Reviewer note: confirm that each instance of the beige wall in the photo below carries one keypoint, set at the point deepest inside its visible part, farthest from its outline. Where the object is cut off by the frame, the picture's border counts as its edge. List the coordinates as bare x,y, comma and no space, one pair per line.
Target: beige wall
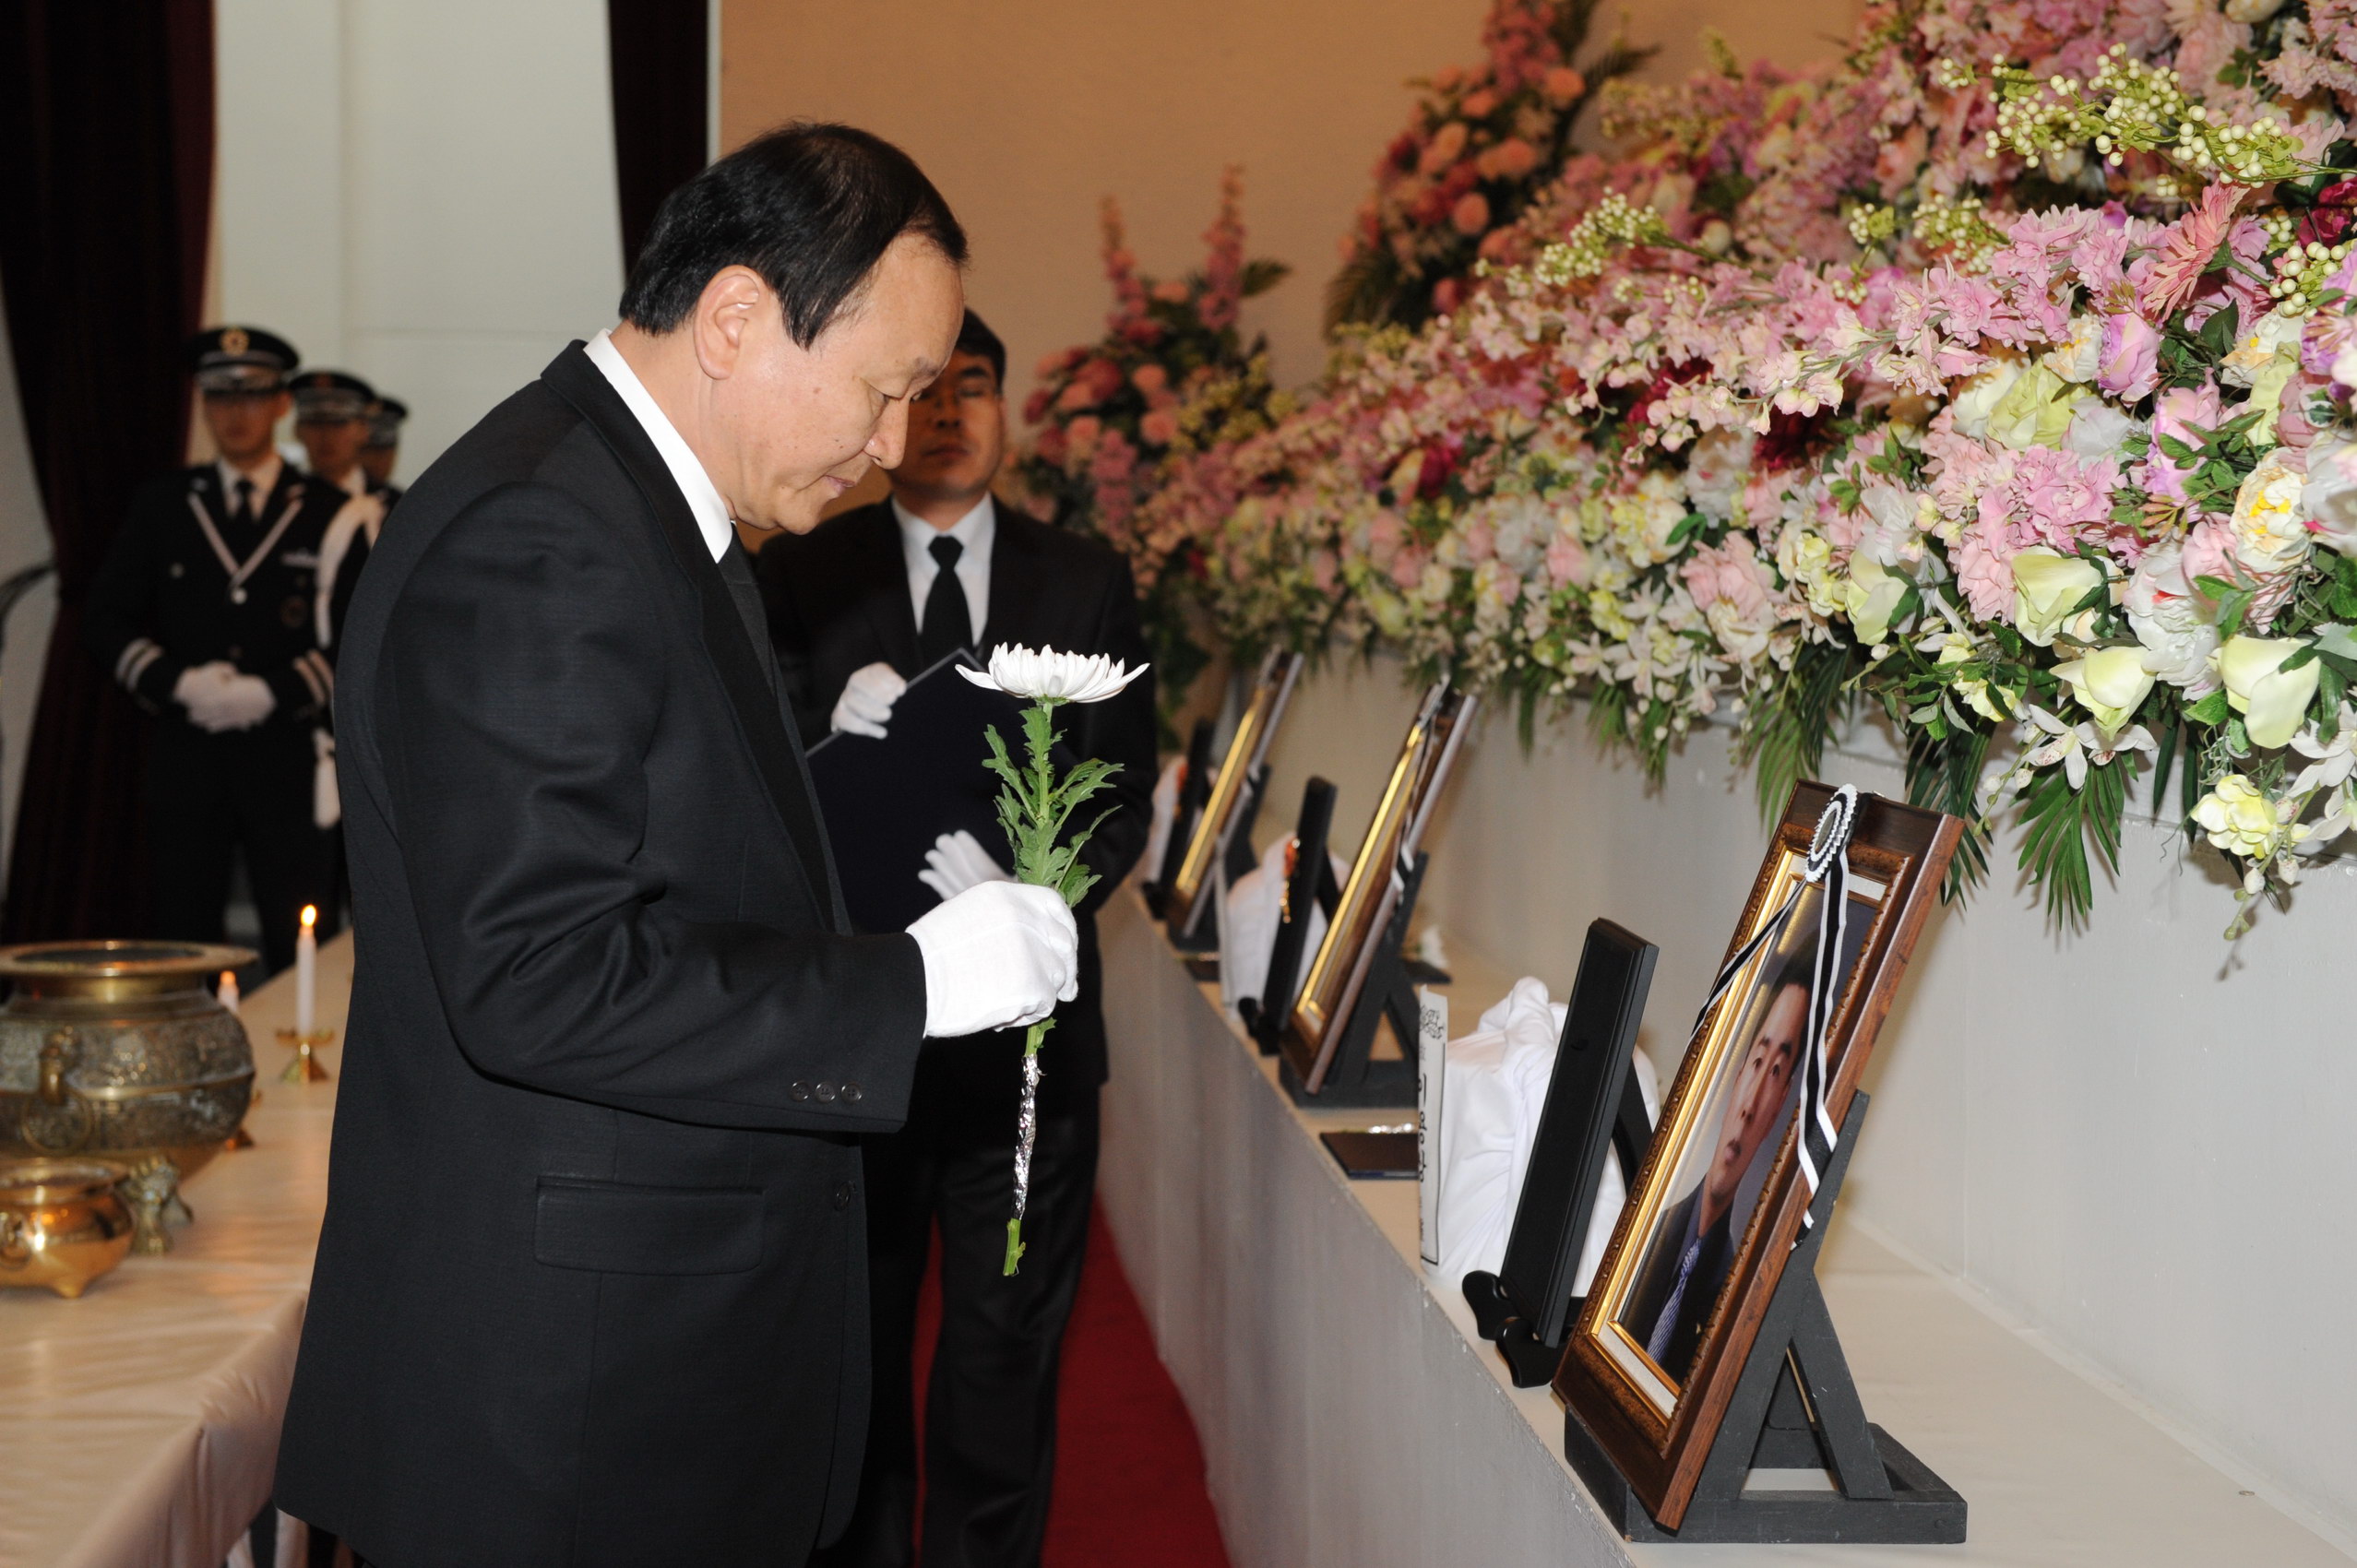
1027,112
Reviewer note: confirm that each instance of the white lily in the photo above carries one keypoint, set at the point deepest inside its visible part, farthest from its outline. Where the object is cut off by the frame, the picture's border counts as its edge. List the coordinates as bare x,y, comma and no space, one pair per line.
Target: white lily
1053,677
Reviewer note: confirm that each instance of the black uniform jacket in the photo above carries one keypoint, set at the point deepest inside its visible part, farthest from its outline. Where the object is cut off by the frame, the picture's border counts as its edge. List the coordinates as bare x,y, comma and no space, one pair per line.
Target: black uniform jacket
838,601
591,1288
165,600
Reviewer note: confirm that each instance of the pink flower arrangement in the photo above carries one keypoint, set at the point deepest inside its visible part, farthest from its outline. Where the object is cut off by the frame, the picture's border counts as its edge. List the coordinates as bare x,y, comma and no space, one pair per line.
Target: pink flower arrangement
1714,420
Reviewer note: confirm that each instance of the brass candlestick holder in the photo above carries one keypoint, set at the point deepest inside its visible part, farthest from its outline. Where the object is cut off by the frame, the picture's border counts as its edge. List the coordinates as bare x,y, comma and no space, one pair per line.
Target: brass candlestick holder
304,1068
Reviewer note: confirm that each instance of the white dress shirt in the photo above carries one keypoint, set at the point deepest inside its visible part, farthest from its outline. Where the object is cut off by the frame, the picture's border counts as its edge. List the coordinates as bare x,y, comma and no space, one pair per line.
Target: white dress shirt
265,475
974,531
703,497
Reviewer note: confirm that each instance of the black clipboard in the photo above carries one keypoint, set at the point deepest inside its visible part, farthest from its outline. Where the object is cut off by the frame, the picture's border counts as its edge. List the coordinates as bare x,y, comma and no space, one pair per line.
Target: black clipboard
885,802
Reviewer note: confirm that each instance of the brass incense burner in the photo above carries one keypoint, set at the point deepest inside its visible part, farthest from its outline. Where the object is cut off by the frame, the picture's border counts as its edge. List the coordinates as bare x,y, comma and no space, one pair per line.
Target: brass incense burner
60,1223
115,1052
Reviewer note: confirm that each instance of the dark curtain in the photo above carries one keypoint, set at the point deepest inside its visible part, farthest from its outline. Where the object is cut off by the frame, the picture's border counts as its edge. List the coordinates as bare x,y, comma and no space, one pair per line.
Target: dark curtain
657,48
106,168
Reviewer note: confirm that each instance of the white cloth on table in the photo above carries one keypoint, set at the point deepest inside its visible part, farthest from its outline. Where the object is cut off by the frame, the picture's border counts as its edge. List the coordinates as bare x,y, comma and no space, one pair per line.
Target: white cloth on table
1496,1089
1256,907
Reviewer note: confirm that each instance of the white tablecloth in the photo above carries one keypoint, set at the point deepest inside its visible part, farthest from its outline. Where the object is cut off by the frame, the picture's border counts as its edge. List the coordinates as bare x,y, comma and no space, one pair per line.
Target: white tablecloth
1351,1417
140,1425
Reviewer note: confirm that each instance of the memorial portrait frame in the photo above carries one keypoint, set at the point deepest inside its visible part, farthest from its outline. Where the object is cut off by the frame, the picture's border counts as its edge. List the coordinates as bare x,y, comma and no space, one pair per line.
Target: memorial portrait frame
1658,1431
1196,880
1312,1033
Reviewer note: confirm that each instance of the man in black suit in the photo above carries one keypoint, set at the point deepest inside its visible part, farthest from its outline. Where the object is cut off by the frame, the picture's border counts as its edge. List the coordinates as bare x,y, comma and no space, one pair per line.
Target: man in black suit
870,598
332,420
382,447
1694,1244
203,612
591,1286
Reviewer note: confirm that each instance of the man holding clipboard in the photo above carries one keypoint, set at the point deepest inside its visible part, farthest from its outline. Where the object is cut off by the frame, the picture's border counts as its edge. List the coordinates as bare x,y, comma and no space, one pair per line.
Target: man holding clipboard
859,607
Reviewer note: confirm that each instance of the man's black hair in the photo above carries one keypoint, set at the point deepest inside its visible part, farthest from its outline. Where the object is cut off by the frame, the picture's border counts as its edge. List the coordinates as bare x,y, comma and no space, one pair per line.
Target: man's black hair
975,337
811,207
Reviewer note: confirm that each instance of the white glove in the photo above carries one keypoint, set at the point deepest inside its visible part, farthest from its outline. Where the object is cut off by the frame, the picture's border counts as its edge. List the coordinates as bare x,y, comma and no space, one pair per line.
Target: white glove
996,956
865,705
218,698
957,861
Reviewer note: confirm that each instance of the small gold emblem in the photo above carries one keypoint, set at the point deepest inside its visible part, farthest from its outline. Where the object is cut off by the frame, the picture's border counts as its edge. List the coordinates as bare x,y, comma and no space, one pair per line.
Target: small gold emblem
234,340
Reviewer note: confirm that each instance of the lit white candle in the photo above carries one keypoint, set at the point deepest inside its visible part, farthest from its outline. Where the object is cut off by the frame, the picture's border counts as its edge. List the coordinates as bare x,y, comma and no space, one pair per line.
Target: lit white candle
228,994
306,973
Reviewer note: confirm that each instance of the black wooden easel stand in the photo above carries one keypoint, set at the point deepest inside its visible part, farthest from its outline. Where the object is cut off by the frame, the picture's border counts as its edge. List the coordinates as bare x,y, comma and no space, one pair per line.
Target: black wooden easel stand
1795,1408
1356,1079
1311,887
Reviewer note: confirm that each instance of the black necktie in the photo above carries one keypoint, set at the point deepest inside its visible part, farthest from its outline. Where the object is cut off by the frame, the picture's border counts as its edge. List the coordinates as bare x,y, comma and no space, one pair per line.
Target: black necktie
747,593
948,625
241,511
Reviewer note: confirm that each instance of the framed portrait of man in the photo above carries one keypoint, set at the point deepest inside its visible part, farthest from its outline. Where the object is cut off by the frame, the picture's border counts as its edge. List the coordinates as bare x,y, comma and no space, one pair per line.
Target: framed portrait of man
1321,1012
1197,878
1701,1244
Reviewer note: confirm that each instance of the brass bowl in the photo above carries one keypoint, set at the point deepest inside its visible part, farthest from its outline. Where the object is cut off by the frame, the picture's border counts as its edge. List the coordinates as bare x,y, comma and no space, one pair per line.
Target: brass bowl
115,1052
60,1223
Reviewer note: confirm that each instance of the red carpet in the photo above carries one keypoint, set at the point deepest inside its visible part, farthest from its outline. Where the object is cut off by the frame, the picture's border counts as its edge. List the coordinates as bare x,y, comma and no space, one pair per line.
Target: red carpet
1129,1470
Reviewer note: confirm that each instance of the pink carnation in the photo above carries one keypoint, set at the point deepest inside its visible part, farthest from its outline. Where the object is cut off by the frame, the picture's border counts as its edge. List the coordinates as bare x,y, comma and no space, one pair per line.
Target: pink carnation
1731,574
1471,213
1159,428
1567,560
1563,85
2185,414
1984,571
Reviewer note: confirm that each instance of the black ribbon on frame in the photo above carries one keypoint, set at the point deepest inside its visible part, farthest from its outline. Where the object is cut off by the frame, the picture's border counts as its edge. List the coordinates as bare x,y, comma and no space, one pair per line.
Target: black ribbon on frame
1827,863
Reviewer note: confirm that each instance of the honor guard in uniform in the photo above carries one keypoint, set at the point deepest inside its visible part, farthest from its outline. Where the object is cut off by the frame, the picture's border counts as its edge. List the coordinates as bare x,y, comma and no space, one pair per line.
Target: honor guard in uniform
384,447
331,419
205,611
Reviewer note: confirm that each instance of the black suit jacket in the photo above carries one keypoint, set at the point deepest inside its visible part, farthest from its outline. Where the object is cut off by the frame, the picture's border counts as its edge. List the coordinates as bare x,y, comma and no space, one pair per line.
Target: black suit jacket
838,599
164,601
591,1288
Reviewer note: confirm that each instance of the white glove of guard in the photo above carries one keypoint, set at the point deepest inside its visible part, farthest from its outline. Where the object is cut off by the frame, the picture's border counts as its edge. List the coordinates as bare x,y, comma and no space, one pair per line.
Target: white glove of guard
957,861
999,956
865,705
218,698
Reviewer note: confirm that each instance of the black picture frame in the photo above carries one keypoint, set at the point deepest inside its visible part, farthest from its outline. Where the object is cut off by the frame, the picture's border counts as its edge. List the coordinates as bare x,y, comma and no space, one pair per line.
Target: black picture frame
1586,1104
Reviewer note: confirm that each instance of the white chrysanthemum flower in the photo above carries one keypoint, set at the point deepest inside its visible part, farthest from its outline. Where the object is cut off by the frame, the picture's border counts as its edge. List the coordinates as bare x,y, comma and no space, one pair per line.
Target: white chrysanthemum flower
1049,676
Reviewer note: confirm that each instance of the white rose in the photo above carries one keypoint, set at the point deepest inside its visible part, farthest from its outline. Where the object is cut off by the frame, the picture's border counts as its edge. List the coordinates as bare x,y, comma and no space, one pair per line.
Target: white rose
1978,398
2080,356
2097,429
2328,500
2174,623
2249,11
2270,532
2272,337
1716,469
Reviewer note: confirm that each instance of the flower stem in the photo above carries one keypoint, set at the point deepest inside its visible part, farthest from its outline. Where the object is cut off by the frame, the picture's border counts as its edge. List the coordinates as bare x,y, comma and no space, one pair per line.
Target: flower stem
1026,1127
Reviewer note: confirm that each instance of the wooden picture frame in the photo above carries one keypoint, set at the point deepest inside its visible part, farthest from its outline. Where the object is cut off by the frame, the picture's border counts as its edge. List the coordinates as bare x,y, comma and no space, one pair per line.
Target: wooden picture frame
1321,1012
1652,1361
1196,881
